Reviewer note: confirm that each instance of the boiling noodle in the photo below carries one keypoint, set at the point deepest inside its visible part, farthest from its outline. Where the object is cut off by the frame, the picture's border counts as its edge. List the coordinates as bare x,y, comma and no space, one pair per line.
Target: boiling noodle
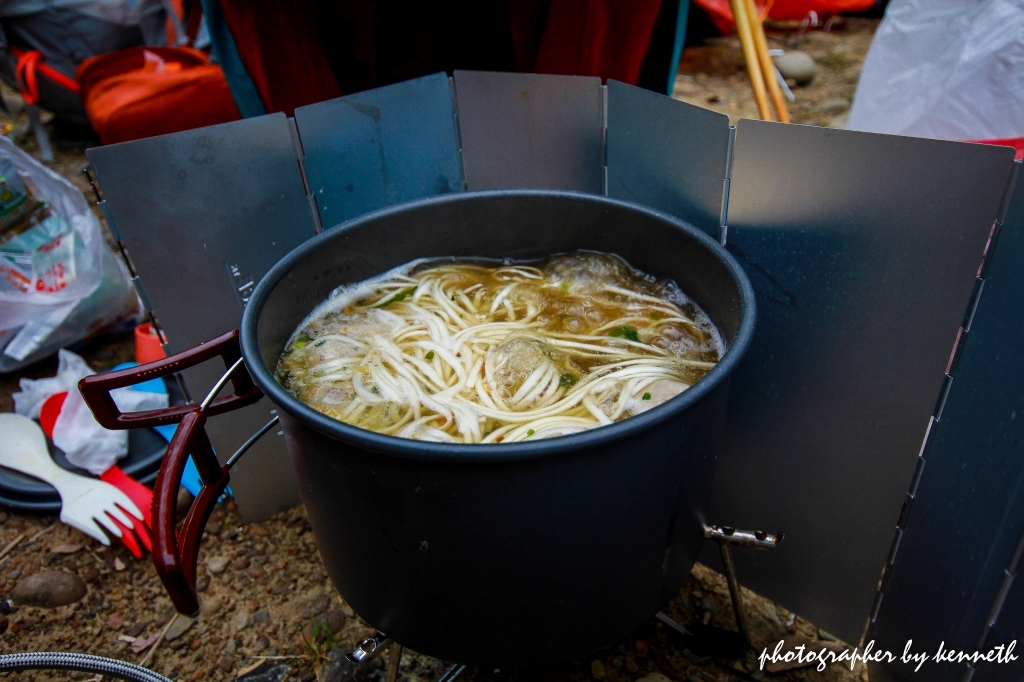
469,352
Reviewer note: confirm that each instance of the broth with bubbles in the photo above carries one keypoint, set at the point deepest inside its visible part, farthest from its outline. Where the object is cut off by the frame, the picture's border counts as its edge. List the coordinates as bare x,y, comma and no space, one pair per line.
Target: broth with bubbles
472,351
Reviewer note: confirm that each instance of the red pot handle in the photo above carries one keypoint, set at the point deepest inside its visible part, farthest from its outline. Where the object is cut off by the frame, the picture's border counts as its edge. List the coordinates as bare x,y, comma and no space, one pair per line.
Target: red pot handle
97,387
176,554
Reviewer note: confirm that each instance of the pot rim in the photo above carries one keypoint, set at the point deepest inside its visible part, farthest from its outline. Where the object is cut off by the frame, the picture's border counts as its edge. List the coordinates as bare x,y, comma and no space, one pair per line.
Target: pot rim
491,452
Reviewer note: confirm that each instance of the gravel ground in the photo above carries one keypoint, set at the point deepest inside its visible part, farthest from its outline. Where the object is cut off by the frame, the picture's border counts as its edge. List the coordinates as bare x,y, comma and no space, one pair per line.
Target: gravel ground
269,611
714,76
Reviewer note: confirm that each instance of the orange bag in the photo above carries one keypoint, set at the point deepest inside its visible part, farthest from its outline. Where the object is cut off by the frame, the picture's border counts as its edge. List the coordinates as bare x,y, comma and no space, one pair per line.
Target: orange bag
146,91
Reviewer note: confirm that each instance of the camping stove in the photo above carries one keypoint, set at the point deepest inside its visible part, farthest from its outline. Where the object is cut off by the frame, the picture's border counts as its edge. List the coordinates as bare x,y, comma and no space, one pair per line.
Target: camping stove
374,646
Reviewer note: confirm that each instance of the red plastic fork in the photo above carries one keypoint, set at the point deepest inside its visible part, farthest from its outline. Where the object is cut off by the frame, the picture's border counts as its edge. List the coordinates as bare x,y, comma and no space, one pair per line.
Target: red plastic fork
115,476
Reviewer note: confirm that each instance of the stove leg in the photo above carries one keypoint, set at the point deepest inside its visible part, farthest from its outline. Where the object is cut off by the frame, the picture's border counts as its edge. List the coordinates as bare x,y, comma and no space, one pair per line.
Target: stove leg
451,673
726,537
734,592
394,660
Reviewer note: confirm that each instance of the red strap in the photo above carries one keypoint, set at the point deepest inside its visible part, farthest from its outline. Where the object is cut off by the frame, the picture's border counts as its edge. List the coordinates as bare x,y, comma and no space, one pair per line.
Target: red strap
31,61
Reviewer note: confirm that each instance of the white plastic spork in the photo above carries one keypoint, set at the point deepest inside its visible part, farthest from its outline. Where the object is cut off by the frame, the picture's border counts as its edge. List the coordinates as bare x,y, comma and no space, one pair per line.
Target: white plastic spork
84,501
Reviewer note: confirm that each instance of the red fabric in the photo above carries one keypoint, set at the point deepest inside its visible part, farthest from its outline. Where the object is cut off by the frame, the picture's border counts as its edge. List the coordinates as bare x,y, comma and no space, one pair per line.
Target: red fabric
1016,142
782,10
279,45
126,98
606,38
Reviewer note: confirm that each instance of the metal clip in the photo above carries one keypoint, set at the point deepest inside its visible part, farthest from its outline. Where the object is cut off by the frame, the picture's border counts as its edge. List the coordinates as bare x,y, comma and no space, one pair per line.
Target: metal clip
370,648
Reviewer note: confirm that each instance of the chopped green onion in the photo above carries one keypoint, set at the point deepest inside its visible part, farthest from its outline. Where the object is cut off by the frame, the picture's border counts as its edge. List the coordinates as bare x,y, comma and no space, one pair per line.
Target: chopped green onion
301,342
530,432
564,286
646,396
319,343
655,317
625,332
430,355
566,379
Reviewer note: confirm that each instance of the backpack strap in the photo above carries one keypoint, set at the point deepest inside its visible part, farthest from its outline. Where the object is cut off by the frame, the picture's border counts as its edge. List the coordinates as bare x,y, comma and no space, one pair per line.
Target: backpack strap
30,62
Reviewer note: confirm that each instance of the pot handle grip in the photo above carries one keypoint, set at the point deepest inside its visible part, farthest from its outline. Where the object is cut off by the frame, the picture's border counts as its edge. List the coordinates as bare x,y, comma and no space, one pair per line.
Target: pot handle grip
176,555
96,388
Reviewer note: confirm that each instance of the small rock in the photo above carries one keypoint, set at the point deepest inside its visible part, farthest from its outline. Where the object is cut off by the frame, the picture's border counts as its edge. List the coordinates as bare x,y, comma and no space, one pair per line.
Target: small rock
14,575
202,582
261,617
256,573
217,564
195,644
136,630
49,589
797,65
183,503
597,670
118,564
834,105
226,663
115,622
90,573
209,607
241,621
264,674
180,625
3,624
279,590
258,530
347,610
240,564
332,620
319,605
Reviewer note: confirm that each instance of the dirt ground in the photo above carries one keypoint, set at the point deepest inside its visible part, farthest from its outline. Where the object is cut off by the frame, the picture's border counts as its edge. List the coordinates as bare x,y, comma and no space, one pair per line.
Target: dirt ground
269,611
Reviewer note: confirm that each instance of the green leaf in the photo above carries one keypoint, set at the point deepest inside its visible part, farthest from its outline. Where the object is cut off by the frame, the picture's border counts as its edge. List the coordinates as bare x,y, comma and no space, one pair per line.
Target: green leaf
625,332
401,297
646,396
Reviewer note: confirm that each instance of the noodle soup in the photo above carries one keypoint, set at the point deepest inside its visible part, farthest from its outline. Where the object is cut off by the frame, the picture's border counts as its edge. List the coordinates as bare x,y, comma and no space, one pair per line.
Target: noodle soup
465,351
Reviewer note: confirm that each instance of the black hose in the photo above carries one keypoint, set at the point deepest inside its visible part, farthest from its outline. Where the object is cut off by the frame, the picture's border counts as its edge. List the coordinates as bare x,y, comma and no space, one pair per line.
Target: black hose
64,660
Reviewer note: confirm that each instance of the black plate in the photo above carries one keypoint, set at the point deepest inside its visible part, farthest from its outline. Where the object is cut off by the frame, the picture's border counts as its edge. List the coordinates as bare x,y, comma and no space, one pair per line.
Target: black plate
146,450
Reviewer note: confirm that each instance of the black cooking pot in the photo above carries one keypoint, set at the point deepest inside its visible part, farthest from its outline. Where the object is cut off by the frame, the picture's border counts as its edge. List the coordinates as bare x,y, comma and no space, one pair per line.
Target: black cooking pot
498,555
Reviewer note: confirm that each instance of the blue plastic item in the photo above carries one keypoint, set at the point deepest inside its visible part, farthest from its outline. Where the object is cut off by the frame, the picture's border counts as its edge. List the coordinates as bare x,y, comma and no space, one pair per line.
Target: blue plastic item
190,478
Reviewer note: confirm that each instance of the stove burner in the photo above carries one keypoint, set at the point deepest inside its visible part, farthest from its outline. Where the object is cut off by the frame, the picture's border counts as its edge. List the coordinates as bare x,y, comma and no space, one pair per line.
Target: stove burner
726,536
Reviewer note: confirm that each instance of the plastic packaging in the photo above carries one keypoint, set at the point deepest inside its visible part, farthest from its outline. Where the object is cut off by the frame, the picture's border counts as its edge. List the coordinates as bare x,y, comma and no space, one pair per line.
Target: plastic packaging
59,281
86,444
945,69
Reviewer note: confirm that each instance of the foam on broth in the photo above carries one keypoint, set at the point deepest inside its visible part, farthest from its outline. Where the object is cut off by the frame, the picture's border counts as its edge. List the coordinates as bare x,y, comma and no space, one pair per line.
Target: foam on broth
471,351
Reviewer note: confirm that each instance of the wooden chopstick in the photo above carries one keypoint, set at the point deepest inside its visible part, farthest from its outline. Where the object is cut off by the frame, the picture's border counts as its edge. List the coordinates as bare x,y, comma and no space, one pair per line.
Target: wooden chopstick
743,29
767,66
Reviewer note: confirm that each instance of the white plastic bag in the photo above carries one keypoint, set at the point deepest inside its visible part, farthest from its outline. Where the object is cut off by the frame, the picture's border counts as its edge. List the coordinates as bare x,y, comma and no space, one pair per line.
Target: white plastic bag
34,324
945,69
86,444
